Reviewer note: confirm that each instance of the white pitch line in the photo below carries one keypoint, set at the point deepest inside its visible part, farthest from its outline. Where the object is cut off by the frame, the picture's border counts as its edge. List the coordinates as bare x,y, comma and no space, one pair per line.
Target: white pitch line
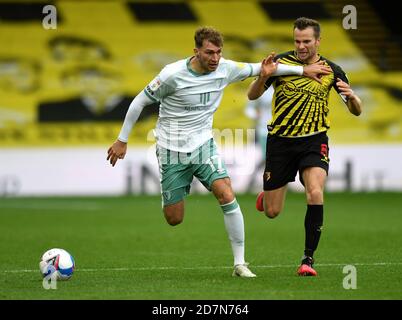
215,267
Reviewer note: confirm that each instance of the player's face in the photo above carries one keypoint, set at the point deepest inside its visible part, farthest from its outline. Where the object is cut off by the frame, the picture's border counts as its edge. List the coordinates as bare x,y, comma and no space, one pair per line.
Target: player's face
306,44
208,56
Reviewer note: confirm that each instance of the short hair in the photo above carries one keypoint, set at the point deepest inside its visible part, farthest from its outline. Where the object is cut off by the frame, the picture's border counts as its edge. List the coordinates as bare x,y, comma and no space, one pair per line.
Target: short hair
303,23
210,34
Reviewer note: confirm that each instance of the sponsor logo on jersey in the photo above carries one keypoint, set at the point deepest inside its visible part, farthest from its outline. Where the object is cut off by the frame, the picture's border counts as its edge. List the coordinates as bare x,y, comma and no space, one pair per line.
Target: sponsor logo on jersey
290,89
196,108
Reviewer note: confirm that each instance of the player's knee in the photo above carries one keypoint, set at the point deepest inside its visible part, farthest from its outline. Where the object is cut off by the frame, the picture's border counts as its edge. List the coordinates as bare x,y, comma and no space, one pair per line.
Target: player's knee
272,212
226,196
222,190
315,196
173,221
173,217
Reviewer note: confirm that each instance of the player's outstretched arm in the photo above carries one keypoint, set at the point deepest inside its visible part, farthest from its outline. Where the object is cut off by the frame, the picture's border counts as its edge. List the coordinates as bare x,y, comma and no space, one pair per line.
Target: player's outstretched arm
353,101
268,68
271,68
119,148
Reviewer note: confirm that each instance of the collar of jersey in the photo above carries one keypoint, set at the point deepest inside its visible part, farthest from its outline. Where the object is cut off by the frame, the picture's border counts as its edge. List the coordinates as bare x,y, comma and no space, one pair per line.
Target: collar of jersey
193,72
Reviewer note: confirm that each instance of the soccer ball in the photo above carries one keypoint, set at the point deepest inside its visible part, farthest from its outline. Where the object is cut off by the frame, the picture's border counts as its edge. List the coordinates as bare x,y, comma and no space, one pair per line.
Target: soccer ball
57,261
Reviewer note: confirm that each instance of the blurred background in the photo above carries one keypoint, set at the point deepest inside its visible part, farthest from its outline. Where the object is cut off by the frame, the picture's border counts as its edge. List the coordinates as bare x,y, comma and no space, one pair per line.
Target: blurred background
66,82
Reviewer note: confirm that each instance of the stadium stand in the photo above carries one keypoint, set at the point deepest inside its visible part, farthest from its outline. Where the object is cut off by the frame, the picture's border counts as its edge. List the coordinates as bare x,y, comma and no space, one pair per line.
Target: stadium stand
104,52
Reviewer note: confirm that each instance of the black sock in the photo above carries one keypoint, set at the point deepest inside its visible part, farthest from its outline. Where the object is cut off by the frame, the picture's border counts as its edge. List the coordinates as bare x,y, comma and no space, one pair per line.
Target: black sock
312,224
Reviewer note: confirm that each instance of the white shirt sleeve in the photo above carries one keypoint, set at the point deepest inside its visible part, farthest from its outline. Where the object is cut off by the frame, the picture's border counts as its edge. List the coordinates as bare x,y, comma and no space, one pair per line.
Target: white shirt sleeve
282,70
240,72
161,86
133,112
285,70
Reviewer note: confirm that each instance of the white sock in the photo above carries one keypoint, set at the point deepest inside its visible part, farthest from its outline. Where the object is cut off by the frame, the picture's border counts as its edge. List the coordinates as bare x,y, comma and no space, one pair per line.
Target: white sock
234,224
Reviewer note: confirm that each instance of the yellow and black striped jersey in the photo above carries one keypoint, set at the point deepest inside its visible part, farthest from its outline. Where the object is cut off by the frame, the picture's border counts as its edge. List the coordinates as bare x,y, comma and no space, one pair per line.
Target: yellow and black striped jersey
300,104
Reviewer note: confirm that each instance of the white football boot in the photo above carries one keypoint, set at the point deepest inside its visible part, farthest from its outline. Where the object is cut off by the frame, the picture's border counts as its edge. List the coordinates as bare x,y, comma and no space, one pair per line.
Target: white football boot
242,270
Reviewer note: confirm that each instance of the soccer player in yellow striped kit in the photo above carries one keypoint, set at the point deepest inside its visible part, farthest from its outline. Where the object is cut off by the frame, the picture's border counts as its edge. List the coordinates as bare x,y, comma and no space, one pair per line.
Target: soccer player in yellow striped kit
297,134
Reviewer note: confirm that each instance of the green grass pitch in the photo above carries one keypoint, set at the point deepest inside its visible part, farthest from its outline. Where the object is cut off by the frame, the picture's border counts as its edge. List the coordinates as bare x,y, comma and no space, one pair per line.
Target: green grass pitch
124,249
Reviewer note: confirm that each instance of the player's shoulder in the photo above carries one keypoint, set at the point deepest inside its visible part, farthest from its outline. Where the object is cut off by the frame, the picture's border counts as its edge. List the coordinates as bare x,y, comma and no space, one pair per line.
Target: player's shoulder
173,69
228,66
286,54
226,63
335,67
231,63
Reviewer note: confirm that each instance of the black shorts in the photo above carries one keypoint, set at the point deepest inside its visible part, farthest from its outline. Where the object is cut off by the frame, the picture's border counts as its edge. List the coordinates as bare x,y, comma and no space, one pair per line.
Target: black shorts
286,156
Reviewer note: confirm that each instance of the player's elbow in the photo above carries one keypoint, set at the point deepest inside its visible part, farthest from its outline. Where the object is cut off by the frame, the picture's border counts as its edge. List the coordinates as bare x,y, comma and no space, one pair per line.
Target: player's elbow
252,95
356,111
355,106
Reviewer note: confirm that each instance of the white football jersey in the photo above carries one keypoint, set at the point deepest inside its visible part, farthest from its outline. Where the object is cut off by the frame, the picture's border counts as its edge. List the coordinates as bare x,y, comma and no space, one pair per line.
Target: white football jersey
188,101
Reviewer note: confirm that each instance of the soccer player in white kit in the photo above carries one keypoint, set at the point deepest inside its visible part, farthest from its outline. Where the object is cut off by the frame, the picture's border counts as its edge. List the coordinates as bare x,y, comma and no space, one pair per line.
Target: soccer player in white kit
189,92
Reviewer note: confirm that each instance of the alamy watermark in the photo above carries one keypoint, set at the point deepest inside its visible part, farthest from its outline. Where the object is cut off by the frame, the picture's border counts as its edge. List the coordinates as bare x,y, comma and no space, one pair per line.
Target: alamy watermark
350,280
350,20
50,280
237,145
50,20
